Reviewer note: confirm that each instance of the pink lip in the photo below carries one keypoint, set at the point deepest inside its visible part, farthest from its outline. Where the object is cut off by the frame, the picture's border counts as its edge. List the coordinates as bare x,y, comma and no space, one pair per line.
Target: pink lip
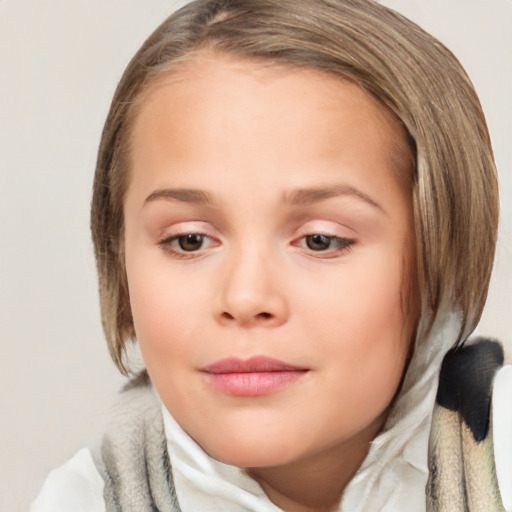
256,376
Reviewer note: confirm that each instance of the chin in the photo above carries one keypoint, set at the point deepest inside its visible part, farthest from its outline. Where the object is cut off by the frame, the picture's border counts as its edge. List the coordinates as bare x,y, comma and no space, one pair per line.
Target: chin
248,452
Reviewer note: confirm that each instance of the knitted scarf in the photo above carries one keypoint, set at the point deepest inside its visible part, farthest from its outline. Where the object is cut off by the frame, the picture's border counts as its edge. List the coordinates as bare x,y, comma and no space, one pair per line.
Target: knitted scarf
462,473
133,458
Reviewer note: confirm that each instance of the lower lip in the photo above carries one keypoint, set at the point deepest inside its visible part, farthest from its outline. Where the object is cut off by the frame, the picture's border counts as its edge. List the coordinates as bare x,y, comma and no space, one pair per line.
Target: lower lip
253,383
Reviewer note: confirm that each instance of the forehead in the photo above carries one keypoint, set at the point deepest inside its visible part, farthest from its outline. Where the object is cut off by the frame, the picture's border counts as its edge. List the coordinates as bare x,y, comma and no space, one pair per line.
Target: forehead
240,105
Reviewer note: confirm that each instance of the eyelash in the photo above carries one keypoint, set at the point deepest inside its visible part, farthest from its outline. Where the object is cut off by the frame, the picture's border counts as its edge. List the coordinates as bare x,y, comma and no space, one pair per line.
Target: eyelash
167,245
342,245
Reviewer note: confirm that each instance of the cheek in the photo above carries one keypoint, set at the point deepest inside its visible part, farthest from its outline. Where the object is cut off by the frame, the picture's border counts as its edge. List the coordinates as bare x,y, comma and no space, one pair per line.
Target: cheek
359,323
366,296
164,305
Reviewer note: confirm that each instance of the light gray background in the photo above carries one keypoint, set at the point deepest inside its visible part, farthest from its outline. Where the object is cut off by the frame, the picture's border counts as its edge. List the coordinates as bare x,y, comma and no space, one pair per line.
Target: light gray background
59,64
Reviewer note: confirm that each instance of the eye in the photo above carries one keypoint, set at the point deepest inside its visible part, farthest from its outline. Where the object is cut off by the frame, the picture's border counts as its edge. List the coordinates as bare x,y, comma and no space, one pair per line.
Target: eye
190,242
319,242
331,245
187,245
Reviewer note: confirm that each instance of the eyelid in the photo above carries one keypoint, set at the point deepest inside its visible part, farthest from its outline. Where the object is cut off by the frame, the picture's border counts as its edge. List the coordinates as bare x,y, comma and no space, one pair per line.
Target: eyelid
183,228
332,230
325,227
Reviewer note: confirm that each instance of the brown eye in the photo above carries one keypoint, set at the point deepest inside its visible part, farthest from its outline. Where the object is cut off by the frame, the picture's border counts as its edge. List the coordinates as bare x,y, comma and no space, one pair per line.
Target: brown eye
318,242
191,242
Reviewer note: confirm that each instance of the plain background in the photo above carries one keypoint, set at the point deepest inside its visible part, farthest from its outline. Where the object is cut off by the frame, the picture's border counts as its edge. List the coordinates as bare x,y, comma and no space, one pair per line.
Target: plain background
59,64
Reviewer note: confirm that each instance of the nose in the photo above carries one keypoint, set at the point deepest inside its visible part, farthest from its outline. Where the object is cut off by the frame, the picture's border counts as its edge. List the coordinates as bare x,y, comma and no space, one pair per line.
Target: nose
251,292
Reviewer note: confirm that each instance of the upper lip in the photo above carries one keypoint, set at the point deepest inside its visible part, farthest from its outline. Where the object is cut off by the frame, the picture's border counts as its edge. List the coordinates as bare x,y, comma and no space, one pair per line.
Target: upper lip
254,364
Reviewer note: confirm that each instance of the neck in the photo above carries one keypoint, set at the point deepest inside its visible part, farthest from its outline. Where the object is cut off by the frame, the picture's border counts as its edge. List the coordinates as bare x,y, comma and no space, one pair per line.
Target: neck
316,483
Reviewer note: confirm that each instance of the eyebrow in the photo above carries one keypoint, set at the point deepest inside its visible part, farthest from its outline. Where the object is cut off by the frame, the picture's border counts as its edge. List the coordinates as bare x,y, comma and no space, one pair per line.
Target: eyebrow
305,196
186,195
298,197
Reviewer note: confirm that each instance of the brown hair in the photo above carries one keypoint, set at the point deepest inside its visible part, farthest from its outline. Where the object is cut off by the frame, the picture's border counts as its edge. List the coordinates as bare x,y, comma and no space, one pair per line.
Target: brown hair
454,185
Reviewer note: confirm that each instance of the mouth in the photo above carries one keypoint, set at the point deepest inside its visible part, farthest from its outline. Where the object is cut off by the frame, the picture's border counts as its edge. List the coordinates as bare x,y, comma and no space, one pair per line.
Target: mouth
256,376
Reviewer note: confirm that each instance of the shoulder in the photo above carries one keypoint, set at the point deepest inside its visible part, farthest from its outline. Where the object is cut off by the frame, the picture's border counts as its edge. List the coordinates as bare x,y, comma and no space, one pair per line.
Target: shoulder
76,486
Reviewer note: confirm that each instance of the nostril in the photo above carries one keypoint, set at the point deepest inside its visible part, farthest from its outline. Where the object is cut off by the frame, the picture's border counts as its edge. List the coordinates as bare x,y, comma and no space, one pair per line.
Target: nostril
263,316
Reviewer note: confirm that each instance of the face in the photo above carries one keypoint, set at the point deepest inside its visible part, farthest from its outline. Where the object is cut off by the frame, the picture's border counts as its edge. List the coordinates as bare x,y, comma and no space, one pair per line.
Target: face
265,233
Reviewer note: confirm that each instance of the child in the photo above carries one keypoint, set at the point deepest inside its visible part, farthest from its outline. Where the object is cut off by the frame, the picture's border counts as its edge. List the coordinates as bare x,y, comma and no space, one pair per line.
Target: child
294,214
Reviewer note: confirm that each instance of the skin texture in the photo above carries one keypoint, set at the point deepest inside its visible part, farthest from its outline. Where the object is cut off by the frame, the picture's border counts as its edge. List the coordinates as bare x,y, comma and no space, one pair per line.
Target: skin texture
251,137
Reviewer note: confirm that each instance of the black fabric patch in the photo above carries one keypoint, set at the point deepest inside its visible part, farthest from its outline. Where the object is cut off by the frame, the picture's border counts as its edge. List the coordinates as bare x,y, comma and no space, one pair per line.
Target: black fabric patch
140,380
465,382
